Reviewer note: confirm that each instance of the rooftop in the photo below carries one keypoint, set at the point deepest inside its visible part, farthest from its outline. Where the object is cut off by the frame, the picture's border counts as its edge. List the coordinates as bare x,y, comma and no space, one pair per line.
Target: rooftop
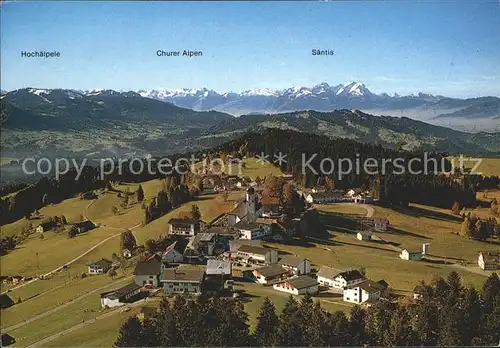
185,221
328,272
291,260
150,267
371,286
302,282
186,275
351,275
218,267
491,257
247,226
101,263
124,290
271,271
253,249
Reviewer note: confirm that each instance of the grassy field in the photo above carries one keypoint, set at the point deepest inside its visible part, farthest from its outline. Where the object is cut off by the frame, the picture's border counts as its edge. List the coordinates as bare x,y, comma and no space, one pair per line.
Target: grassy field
351,209
71,208
102,333
72,315
105,333
487,167
210,206
410,228
250,167
57,296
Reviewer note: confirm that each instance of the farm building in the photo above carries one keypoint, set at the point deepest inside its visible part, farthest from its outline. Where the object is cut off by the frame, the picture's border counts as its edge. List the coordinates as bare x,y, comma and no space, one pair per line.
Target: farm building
271,273
489,260
297,265
364,235
256,255
147,272
298,286
100,267
325,197
120,296
407,254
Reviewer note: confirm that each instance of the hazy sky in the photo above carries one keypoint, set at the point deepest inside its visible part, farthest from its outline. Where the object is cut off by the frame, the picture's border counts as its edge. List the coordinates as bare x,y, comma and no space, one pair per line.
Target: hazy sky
441,47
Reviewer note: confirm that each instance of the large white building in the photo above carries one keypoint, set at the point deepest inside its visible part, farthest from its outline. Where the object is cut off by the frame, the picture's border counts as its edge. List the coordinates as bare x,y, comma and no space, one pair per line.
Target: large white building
185,227
325,197
367,290
179,280
249,254
253,230
337,279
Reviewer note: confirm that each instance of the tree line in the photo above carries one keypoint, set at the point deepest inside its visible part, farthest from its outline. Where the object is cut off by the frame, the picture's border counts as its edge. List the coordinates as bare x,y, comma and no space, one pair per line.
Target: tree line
446,313
391,186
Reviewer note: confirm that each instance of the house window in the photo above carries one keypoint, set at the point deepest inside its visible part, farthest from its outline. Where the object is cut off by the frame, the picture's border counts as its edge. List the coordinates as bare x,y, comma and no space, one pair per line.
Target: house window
143,282
150,277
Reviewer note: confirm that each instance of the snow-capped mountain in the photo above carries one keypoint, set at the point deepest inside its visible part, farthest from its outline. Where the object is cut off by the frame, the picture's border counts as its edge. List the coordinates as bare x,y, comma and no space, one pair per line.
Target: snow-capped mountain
321,97
436,109
461,114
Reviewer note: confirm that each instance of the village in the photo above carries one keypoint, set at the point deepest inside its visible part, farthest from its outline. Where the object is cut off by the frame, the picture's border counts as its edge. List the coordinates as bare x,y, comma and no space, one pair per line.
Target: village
233,248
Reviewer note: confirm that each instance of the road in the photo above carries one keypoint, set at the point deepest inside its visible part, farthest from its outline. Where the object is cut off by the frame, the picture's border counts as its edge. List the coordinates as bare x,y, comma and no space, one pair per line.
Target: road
88,322
55,309
369,209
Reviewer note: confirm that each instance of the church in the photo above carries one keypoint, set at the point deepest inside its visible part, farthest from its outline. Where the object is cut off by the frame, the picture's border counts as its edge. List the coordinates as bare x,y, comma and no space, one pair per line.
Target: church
247,210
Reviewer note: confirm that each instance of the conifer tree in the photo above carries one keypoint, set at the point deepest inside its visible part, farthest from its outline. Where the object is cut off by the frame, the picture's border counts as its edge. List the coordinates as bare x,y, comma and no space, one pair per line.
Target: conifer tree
399,332
491,289
140,194
130,334
289,328
338,325
357,322
267,324
425,322
471,316
492,323
127,240
195,212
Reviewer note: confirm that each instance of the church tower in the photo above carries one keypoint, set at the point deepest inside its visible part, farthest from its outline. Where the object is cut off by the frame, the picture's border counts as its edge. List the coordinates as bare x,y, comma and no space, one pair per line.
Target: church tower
250,204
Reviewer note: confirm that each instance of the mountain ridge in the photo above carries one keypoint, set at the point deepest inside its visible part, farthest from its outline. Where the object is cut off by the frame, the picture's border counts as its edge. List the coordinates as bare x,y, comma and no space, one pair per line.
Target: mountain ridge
103,122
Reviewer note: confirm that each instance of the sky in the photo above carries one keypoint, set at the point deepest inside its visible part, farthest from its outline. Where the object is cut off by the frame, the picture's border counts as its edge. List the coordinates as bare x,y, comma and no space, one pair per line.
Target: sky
449,48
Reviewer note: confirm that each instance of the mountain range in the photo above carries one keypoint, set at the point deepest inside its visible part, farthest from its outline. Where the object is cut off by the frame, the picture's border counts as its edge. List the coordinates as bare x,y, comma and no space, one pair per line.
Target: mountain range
472,114
102,123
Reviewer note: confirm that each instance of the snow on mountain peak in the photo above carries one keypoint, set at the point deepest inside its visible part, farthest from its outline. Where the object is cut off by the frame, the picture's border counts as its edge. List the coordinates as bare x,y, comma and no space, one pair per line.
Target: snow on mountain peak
38,92
265,92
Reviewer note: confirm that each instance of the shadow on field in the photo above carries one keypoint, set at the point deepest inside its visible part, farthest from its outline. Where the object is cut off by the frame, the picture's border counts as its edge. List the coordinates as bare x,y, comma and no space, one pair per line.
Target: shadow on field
401,232
427,213
340,222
